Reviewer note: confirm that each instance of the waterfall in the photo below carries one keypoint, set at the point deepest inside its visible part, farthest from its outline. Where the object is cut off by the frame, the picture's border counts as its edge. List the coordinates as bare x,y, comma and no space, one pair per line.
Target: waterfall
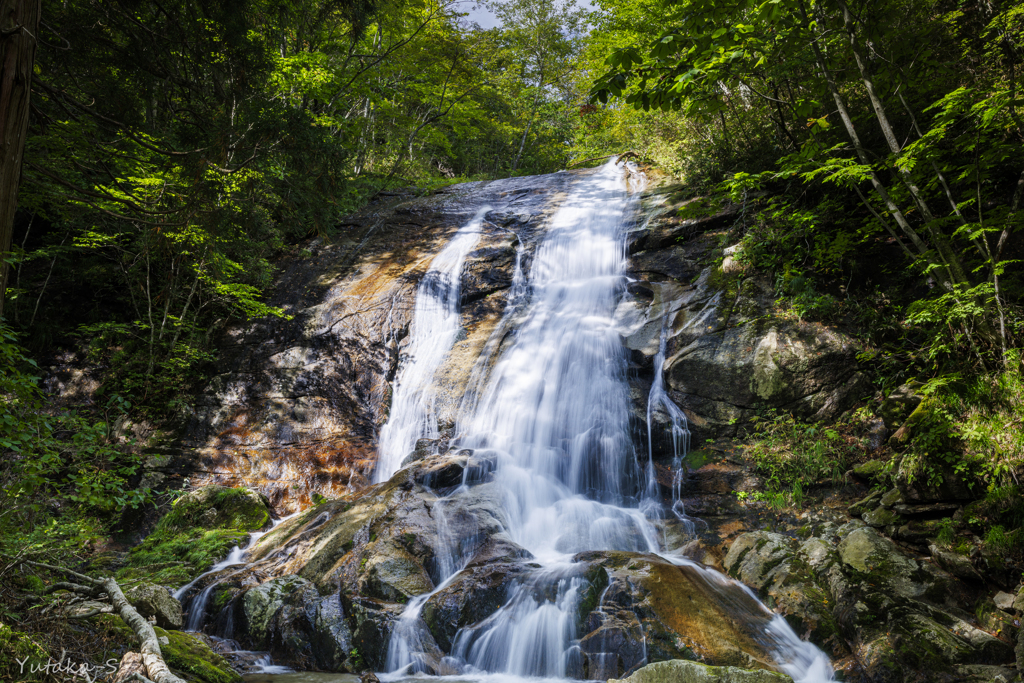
435,325
553,411
195,607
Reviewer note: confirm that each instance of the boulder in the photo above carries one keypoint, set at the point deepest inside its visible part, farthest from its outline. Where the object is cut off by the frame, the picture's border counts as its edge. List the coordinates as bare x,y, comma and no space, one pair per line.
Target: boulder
278,617
897,616
156,601
681,671
899,404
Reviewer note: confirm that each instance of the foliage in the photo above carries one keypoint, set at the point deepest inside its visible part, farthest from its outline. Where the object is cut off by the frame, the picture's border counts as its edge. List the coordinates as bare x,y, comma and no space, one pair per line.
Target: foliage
198,531
793,456
872,128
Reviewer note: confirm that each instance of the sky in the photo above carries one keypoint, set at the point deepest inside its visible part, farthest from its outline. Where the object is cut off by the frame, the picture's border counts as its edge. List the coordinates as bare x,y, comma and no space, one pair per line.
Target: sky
479,14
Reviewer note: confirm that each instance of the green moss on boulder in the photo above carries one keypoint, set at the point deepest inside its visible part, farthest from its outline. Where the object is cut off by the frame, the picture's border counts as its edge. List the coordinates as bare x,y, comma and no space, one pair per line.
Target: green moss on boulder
200,529
17,647
193,659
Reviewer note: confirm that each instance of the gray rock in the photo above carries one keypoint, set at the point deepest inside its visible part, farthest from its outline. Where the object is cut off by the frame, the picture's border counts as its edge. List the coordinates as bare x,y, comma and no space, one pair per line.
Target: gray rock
331,637
682,671
956,564
1003,600
151,600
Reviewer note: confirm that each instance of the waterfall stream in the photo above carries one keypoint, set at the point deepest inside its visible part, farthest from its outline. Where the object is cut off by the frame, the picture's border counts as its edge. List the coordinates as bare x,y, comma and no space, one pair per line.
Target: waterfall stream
553,411
435,326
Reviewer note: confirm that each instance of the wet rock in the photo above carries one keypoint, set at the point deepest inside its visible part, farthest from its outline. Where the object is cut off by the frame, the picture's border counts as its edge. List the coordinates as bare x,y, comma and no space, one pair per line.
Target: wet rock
680,671
297,403
678,609
331,638
156,601
373,622
278,617
478,592
781,568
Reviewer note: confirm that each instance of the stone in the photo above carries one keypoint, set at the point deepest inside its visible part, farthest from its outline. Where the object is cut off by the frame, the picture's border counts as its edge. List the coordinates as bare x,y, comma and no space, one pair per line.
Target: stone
890,498
899,404
956,564
879,517
870,469
923,510
156,601
869,502
1003,600
1018,601
681,671
276,618
193,659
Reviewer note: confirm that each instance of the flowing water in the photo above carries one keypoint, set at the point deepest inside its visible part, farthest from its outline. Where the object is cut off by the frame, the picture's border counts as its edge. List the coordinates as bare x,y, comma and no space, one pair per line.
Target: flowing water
435,325
195,607
553,411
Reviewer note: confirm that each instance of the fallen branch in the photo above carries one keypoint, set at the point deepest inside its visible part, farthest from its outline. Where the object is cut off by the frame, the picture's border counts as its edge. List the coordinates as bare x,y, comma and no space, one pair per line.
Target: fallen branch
152,658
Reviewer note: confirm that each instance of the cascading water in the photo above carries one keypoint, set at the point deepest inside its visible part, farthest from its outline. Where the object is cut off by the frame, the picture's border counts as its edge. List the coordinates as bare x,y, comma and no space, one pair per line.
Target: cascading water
435,325
554,415
195,608
657,399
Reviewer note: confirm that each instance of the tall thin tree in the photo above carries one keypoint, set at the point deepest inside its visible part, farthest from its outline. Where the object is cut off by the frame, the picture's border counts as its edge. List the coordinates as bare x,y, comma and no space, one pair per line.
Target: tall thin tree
19,26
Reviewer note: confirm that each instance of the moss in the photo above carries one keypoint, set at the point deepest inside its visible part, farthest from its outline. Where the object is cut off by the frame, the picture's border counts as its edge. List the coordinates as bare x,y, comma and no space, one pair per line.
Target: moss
200,529
217,507
192,657
17,647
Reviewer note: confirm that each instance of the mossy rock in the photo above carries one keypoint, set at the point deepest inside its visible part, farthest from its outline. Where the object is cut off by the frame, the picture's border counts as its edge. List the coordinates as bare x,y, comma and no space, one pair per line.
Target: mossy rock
682,671
191,657
200,529
17,647
185,654
218,507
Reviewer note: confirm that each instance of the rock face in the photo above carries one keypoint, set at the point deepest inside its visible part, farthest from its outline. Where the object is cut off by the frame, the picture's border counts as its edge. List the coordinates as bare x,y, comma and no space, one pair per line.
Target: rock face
680,671
850,588
156,601
298,405
327,588
727,352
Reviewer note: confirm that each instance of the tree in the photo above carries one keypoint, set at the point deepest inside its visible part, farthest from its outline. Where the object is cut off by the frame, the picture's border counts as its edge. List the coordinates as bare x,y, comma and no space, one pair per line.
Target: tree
870,99
19,27
542,40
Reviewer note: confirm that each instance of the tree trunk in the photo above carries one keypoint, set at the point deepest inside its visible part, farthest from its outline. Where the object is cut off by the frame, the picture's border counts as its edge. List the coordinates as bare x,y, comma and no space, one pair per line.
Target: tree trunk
19,26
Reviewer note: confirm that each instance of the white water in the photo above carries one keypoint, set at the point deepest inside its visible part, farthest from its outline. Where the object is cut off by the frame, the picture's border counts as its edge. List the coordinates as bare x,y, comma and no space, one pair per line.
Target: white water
196,607
435,326
554,411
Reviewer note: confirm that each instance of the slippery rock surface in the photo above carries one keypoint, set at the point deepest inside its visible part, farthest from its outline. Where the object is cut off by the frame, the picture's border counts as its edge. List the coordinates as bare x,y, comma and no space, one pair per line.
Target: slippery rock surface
727,350
854,591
